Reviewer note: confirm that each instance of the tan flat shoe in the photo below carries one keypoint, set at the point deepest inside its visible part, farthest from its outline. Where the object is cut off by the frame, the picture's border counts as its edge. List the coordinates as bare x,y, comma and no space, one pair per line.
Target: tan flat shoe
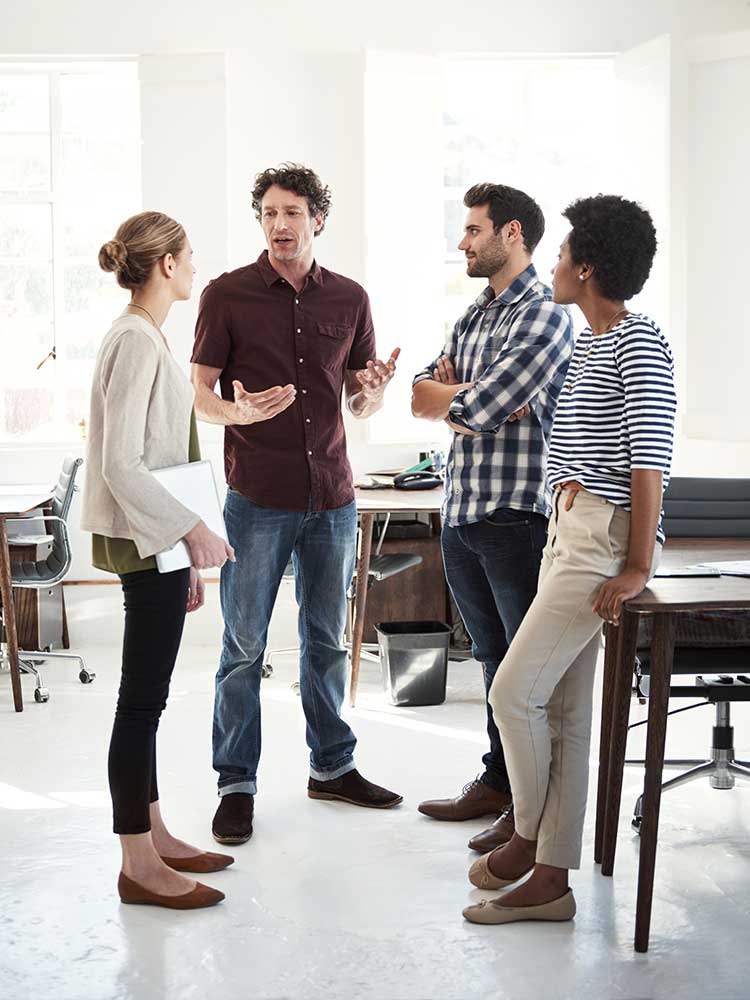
481,876
196,899
491,911
201,864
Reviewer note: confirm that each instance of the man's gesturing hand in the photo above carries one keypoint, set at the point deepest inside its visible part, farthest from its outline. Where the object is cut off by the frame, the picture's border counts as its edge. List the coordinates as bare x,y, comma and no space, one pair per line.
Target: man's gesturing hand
377,375
252,407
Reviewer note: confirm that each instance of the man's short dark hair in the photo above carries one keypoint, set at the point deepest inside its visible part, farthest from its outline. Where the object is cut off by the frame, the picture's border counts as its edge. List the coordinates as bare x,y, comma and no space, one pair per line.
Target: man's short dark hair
300,181
504,204
617,238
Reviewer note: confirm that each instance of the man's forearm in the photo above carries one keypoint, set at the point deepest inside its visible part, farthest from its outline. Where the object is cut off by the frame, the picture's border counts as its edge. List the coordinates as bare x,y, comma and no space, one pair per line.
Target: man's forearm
361,407
645,505
431,400
211,408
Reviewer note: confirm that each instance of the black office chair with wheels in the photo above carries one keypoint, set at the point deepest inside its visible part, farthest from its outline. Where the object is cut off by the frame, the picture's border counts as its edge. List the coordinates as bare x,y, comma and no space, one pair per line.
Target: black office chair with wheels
43,574
716,644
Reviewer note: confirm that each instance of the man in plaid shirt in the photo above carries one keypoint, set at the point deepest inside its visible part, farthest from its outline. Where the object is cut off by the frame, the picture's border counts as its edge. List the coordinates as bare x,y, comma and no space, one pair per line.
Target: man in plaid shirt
496,385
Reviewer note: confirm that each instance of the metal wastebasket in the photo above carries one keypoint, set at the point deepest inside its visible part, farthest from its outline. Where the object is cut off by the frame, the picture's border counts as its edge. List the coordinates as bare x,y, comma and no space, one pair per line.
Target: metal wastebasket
414,659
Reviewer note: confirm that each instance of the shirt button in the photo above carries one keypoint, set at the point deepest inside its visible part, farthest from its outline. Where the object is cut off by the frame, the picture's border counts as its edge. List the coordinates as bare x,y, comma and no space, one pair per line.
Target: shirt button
309,453
297,301
298,330
304,392
301,360
307,420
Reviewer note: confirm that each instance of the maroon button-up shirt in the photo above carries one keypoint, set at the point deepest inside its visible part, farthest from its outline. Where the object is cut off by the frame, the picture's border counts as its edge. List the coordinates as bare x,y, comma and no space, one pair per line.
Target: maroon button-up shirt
256,328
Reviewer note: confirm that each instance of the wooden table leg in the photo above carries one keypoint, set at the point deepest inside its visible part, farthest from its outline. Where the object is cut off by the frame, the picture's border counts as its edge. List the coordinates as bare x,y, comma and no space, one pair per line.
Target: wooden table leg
622,682
662,652
366,522
611,635
9,617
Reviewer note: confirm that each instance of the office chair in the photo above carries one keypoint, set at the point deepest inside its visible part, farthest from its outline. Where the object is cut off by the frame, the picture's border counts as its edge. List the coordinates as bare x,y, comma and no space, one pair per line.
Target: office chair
717,643
42,574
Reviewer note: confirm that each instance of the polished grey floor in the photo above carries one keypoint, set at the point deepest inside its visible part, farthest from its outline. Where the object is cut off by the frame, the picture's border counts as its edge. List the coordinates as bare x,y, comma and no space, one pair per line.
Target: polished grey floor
327,900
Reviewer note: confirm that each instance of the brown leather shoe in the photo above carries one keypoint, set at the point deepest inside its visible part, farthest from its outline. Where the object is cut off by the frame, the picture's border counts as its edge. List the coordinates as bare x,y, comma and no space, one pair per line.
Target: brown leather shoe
476,799
196,899
354,789
200,864
233,820
496,835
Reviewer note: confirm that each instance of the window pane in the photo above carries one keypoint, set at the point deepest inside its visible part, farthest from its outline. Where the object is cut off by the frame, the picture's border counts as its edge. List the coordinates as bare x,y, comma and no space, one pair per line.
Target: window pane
24,163
25,411
25,297
24,103
26,231
100,104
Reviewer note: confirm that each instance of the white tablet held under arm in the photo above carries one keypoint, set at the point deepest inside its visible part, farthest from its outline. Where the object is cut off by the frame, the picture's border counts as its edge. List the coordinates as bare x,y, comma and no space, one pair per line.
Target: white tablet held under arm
193,484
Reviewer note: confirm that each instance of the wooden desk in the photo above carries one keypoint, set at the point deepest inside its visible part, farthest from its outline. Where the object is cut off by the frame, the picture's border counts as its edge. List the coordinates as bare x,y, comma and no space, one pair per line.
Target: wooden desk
369,503
665,599
15,500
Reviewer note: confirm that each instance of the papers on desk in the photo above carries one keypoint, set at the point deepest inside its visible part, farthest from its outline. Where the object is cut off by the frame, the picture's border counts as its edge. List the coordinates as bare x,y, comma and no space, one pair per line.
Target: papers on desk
738,568
684,571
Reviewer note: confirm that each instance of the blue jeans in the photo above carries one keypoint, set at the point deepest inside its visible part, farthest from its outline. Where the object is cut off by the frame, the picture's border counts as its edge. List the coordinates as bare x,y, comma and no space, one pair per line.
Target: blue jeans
492,567
322,547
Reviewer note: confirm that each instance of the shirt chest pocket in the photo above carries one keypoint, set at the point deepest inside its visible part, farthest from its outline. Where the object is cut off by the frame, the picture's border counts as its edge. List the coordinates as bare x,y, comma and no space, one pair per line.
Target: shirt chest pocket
334,343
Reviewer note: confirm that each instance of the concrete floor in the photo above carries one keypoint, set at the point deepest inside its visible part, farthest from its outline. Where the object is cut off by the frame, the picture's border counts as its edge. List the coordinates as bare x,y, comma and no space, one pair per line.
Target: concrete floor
327,900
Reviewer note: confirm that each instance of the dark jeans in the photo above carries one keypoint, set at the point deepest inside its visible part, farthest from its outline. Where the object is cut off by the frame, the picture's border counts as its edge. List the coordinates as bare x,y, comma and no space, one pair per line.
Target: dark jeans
155,605
492,568
321,545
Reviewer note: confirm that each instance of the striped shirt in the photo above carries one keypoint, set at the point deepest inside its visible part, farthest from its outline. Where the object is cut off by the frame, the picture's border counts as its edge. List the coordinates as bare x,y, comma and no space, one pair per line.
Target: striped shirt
515,348
616,412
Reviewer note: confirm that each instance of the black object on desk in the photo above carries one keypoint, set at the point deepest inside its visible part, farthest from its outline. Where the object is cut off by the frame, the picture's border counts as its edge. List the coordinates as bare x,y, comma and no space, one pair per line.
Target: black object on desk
417,481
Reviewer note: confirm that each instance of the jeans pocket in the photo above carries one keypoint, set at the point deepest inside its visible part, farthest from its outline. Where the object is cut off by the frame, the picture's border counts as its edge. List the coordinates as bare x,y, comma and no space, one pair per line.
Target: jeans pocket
506,517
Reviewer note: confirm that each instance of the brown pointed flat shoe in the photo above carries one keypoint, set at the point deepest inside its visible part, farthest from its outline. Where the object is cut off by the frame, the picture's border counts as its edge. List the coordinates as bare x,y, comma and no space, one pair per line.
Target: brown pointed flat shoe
200,864
196,899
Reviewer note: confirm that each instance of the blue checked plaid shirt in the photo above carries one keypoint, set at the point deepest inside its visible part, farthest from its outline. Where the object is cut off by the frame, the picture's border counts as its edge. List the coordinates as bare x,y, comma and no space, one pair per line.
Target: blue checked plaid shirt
515,348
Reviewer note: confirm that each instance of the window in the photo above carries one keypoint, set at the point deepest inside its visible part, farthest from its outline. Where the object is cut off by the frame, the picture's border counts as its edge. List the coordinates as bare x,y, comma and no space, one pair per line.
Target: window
69,174
510,120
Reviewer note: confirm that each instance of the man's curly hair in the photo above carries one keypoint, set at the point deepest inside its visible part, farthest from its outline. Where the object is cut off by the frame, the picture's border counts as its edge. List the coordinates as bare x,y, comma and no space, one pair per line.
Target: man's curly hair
617,238
299,180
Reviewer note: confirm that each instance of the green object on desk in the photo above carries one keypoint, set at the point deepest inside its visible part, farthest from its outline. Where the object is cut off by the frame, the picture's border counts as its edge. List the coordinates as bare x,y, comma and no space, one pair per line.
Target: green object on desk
426,463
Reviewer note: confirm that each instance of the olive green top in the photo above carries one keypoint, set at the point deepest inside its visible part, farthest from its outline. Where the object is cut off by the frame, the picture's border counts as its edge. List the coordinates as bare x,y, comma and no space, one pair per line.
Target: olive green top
120,555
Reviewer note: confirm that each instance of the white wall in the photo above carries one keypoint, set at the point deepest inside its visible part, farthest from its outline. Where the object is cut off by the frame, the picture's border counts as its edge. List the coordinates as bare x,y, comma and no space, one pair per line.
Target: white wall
253,84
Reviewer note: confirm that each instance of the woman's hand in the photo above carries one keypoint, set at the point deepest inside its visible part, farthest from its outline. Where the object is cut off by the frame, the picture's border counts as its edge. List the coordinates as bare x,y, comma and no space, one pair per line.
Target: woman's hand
623,587
197,591
207,549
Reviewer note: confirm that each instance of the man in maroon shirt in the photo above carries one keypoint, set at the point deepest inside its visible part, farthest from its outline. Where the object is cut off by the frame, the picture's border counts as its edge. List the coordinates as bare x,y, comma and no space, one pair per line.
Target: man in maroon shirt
283,337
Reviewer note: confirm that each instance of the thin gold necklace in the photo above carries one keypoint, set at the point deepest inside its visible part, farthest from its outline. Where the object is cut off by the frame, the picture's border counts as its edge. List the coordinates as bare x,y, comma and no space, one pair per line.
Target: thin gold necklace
135,305
570,385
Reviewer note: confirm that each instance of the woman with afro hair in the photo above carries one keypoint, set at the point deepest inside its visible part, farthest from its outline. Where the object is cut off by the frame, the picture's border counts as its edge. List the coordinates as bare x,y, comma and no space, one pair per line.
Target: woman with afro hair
609,461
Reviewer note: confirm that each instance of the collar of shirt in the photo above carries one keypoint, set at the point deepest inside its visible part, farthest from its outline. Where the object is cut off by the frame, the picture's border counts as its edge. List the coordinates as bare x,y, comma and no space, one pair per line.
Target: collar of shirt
270,275
513,293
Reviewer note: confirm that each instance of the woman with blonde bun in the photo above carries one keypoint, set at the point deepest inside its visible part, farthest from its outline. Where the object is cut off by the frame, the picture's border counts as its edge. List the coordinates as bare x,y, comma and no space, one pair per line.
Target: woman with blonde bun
142,419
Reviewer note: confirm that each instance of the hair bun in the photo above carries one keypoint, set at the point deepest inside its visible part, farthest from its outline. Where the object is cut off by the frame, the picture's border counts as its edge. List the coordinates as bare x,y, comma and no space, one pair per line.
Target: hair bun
113,256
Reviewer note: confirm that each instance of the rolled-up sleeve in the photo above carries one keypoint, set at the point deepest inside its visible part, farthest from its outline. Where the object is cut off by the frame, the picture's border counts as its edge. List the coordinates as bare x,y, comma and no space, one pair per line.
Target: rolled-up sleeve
536,343
647,370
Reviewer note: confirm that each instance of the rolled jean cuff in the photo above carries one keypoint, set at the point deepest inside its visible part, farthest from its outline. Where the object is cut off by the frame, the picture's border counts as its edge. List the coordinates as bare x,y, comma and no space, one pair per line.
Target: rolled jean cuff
344,768
243,787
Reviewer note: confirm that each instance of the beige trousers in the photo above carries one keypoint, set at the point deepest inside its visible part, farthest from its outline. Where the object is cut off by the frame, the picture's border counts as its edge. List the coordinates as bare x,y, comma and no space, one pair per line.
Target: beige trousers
541,697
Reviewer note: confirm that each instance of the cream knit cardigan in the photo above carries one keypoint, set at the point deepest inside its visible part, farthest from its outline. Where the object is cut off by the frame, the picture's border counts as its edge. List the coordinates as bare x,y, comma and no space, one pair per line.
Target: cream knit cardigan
141,403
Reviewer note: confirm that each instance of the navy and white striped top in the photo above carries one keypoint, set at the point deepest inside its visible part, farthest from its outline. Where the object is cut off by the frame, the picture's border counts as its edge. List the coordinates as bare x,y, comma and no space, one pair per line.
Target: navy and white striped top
616,412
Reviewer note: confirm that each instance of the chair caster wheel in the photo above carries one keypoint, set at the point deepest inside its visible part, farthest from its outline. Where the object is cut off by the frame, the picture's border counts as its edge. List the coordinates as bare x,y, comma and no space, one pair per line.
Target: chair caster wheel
266,670
85,677
295,687
41,695
636,823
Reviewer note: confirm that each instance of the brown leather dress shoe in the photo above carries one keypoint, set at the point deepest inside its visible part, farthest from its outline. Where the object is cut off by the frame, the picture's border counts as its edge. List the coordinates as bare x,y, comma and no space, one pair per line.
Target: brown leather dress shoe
354,789
201,864
196,899
476,799
233,821
496,835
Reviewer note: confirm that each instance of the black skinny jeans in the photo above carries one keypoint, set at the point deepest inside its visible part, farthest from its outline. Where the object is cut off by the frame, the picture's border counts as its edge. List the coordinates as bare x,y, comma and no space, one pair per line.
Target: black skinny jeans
155,606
